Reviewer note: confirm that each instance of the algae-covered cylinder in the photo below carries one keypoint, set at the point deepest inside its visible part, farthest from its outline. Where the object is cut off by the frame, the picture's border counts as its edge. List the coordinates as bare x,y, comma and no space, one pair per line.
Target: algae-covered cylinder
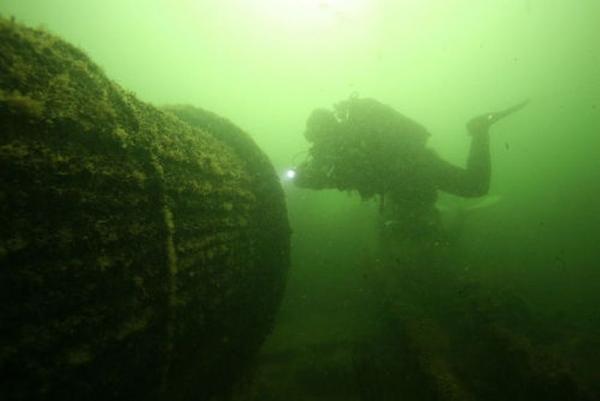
141,256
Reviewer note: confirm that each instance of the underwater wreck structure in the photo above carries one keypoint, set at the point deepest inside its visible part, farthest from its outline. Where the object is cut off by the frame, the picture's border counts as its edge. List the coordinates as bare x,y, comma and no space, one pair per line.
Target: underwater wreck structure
141,256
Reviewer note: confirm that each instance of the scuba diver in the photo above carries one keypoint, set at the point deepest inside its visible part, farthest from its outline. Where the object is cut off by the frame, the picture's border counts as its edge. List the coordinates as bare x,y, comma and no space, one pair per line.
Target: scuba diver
369,147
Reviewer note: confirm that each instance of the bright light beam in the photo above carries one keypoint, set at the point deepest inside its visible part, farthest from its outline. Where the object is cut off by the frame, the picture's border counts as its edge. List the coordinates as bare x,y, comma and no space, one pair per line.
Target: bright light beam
290,174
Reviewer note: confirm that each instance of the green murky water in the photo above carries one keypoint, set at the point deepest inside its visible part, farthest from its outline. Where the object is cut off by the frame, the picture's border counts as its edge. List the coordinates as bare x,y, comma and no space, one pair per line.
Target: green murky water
509,306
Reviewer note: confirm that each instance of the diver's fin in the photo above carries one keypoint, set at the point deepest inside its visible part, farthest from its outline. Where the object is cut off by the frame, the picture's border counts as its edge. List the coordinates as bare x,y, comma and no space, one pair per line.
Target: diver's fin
507,112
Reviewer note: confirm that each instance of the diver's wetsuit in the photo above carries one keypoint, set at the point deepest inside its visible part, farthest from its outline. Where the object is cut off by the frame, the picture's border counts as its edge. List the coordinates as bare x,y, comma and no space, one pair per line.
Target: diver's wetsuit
417,186
409,204
406,175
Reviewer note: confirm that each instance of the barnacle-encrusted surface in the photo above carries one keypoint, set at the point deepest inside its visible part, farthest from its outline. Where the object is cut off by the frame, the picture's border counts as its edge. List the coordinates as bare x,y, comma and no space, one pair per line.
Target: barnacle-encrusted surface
140,257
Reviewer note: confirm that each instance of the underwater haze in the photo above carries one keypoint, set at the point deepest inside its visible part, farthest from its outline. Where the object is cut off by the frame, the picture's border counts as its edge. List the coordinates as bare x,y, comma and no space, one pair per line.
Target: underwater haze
534,238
